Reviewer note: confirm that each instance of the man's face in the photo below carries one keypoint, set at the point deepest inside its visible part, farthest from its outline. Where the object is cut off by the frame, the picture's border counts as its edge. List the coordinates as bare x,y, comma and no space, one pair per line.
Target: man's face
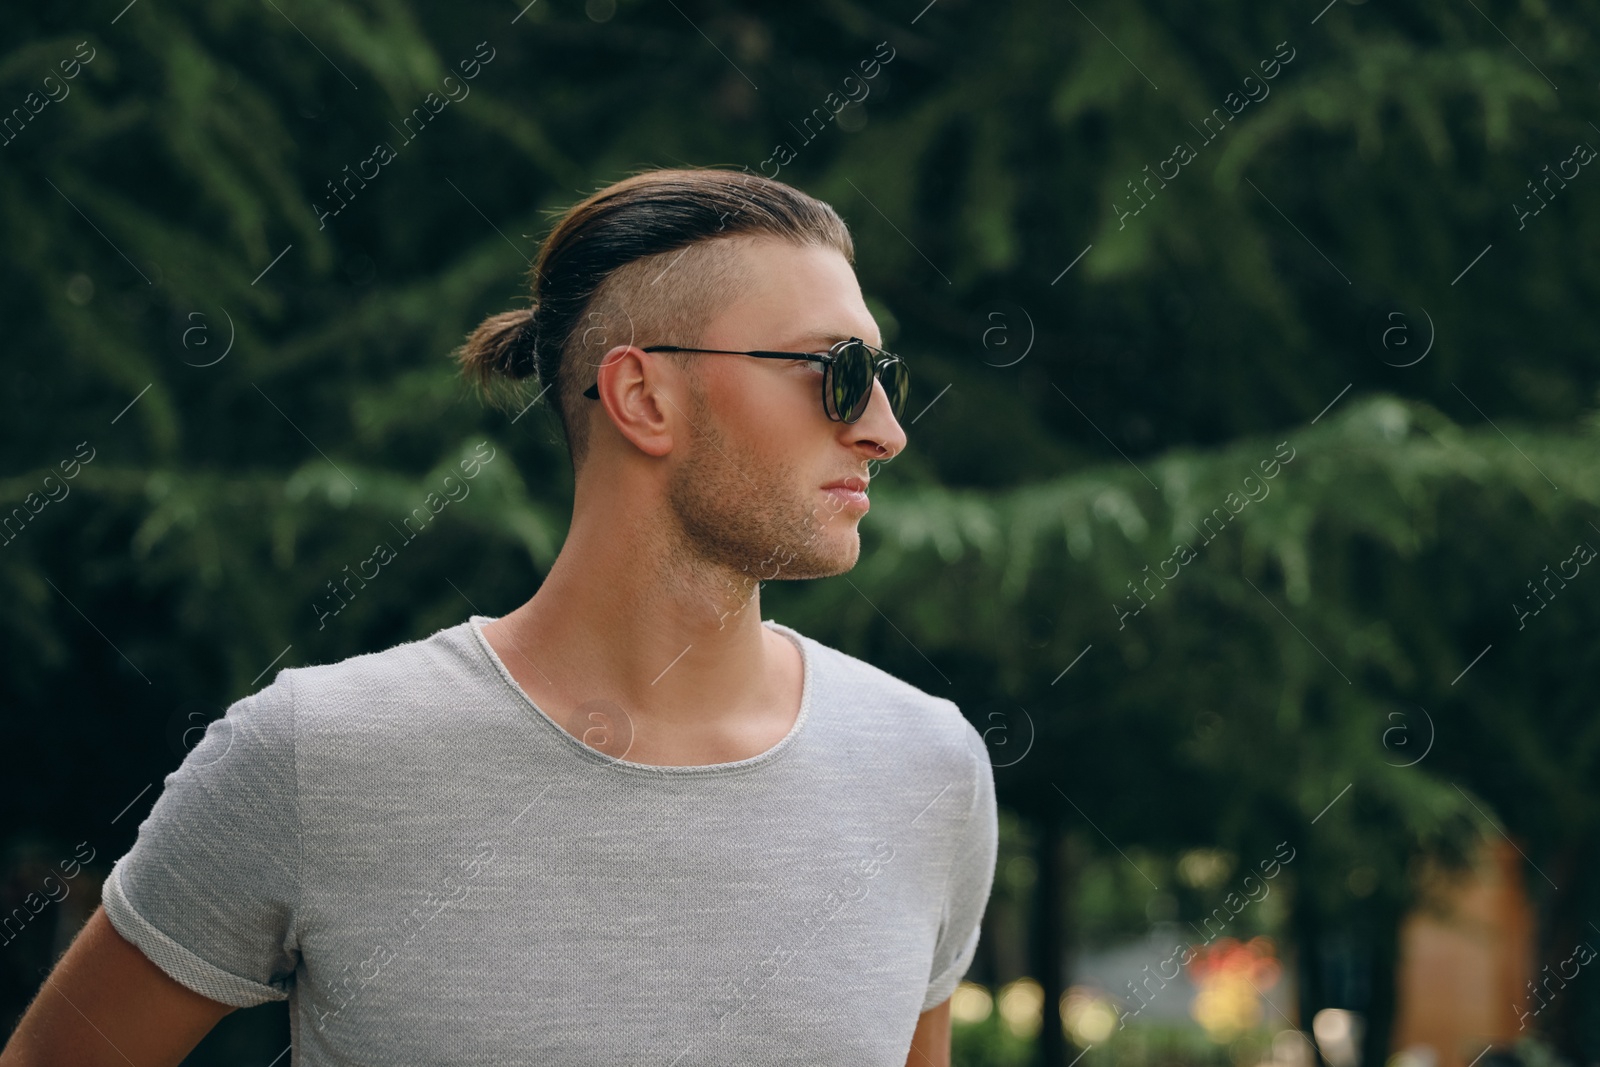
748,492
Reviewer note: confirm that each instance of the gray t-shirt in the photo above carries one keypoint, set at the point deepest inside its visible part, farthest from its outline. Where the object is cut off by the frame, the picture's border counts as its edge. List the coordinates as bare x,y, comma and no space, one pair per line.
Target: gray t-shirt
431,870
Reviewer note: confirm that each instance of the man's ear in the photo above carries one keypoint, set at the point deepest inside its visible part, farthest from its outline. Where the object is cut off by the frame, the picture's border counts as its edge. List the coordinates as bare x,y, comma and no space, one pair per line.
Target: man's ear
632,391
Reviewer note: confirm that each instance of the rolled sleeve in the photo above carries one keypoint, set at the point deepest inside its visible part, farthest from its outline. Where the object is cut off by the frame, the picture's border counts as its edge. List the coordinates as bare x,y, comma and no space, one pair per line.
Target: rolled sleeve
970,881
210,888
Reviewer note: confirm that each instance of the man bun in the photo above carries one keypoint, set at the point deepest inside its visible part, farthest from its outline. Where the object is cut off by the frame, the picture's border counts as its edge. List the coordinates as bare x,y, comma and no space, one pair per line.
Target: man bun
504,345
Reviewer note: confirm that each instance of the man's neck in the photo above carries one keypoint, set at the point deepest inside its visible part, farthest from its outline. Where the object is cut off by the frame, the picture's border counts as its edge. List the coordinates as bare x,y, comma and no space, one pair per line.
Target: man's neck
675,642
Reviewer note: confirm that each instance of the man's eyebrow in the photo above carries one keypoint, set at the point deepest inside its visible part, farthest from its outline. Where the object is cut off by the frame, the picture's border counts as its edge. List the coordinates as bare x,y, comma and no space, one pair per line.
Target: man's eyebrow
816,341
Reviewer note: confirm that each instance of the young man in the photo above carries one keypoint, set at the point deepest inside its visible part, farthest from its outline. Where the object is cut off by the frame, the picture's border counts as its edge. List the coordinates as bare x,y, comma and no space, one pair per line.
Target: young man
627,822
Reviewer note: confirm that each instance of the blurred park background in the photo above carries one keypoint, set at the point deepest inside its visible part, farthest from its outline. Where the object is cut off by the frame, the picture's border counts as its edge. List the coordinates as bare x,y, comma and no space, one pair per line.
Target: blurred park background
1272,283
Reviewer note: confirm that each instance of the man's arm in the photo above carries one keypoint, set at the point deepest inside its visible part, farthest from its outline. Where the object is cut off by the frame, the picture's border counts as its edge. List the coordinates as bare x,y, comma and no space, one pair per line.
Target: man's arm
930,1042
106,1003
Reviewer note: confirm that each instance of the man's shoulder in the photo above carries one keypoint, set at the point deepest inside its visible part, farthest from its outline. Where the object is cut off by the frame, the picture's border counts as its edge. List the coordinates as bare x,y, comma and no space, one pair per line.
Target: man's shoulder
880,683
394,679
870,691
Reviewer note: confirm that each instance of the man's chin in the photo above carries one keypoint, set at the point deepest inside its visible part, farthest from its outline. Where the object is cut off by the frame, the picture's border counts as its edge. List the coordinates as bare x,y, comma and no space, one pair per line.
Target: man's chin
836,559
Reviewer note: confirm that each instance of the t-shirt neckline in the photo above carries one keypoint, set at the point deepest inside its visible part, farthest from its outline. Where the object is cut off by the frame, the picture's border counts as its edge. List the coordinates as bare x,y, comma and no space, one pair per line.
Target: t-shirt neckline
807,687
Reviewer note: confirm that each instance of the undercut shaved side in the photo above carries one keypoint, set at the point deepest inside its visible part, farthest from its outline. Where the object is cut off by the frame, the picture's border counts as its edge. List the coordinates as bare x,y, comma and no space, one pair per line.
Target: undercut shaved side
667,298
648,260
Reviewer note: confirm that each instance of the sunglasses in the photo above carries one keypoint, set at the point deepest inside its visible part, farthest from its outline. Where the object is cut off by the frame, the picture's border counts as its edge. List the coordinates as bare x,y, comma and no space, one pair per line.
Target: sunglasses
848,370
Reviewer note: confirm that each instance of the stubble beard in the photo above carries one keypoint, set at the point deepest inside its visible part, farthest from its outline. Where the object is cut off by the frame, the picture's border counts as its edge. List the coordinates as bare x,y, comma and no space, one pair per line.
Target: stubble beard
741,516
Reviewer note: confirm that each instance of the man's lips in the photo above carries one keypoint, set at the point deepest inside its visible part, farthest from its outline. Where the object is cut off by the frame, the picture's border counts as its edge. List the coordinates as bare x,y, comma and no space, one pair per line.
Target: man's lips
849,492
858,485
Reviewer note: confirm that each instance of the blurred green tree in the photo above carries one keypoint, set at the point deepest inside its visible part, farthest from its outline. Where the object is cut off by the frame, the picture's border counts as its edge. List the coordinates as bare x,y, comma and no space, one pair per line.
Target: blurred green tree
1343,260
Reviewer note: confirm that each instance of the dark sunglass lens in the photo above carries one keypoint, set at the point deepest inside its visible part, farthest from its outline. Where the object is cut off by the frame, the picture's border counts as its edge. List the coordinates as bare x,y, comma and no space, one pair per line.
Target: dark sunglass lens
856,364
864,360
831,391
897,383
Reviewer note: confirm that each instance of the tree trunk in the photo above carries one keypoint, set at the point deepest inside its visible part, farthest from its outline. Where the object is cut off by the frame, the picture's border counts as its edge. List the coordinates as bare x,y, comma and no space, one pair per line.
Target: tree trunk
1383,965
1050,917
1566,926
1309,993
